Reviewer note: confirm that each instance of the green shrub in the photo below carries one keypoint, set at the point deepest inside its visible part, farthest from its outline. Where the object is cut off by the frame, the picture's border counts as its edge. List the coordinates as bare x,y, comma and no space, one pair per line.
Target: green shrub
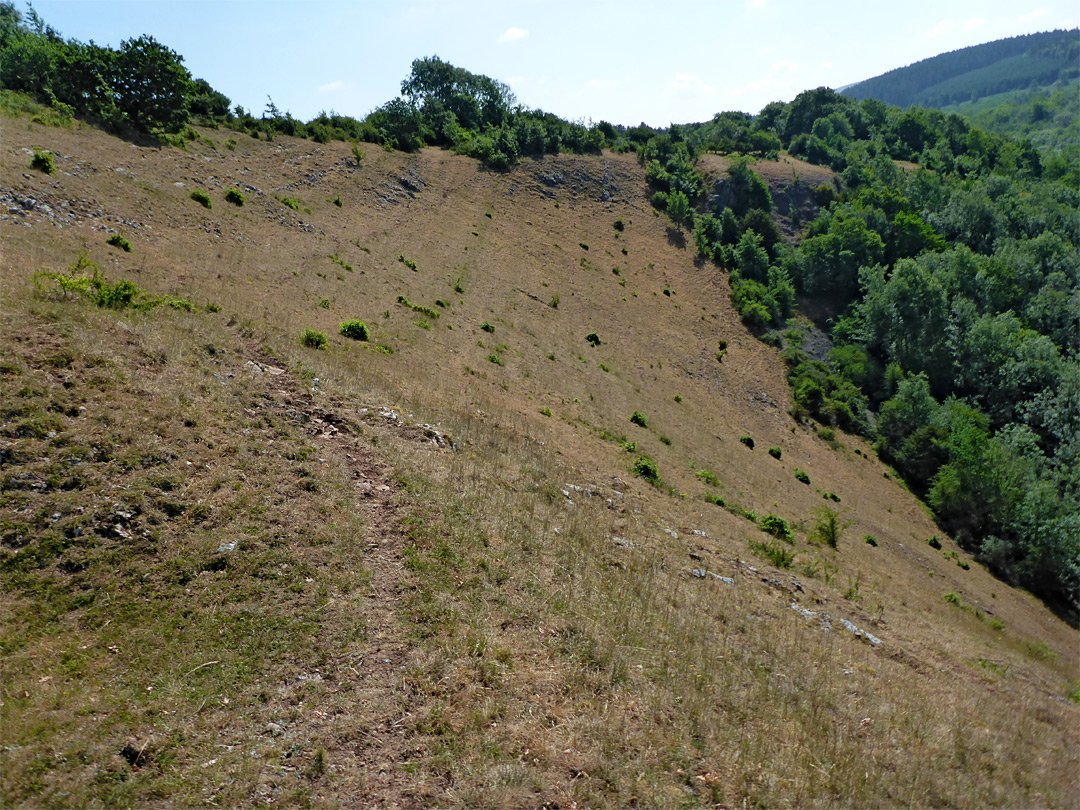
665,440
777,555
202,198
870,540
121,295
593,339
639,419
619,225
828,528
777,527
775,452
116,240
934,543
235,197
554,302
708,476
313,339
494,358
486,327
583,245
337,201
43,162
289,202
802,476
407,262
748,441
645,467
354,329
545,411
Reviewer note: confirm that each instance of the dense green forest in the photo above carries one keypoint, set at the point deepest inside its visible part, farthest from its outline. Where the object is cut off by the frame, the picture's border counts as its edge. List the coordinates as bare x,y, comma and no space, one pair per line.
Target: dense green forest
972,73
952,289
945,259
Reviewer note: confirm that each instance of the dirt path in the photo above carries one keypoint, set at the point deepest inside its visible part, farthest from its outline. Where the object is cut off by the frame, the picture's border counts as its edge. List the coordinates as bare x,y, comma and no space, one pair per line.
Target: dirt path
367,725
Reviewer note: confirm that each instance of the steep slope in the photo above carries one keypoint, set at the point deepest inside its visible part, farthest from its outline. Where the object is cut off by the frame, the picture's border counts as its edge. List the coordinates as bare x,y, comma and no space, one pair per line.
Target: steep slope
420,570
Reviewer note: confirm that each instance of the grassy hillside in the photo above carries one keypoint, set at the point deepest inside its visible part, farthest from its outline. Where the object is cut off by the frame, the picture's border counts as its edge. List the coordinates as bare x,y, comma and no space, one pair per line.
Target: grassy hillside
435,568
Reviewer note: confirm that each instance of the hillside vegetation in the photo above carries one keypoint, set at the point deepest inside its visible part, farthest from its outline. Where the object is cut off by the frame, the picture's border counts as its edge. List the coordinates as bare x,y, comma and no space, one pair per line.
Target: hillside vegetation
968,74
334,474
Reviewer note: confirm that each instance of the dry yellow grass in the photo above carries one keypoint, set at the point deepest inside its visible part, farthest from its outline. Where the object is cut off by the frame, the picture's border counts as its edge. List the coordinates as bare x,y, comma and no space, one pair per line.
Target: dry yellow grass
509,618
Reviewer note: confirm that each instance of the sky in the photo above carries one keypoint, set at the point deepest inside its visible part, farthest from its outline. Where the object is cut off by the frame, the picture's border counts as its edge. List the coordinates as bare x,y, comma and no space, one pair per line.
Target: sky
626,62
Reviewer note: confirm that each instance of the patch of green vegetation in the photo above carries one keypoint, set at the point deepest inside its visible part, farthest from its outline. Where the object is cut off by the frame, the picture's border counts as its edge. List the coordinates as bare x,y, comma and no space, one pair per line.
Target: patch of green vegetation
487,327
708,476
234,196
354,329
800,475
420,308
870,540
407,262
776,452
43,162
85,278
639,419
116,240
593,339
494,358
748,441
289,202
645,467
202,198
340,262
545,411
777,527
777,555
313,339
828,527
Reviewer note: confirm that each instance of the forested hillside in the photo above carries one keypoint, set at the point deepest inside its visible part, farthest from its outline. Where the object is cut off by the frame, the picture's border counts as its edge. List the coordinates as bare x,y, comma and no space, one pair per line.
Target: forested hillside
944,268
972,73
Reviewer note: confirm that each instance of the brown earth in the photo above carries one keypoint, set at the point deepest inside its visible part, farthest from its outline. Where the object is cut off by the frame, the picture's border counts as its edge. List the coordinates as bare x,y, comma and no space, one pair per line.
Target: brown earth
449,588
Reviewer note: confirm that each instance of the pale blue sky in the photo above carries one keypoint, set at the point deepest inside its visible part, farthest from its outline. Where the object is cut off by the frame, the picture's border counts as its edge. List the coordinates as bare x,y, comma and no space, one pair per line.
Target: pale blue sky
624,62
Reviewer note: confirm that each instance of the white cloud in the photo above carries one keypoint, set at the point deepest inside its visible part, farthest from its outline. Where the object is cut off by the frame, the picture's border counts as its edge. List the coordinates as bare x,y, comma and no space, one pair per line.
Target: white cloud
781,79
333,87
973,23
1032,16
513,35
688,85
943,27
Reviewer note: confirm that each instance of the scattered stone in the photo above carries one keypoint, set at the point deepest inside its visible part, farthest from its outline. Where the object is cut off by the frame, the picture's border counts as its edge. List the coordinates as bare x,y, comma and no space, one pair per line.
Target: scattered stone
701,573
225,548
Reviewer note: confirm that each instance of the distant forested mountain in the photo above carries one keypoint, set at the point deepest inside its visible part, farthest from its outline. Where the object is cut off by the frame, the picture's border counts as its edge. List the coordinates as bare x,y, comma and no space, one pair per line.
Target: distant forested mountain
1017,63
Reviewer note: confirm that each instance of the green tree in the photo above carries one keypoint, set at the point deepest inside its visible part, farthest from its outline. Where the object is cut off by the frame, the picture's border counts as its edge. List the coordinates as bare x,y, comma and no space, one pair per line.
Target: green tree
151,85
